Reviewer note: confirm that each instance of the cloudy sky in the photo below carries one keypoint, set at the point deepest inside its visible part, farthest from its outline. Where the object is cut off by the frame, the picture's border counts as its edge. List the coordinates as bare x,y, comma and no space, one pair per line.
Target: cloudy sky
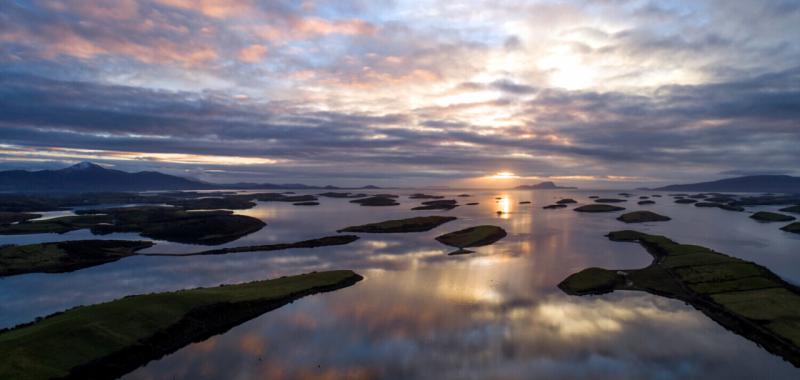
604,93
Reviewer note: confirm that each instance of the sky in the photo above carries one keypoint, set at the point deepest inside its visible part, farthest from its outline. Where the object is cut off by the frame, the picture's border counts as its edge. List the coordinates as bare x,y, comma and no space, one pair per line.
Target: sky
603,93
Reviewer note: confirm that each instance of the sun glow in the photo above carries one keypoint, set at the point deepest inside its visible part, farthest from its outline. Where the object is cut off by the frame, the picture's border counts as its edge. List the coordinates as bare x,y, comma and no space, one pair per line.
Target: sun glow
504,175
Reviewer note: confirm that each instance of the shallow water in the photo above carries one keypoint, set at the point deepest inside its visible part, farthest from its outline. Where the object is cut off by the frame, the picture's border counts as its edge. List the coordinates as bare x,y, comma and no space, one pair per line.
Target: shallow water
420,313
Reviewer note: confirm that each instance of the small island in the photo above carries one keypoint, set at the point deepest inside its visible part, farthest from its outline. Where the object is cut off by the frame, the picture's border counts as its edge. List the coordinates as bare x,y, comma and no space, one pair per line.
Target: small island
766,216
107,340
554,206
477,236
609,200
441,204
685,201
793,228
547,185
643,217
376,201
312,243
793,209
598,208
646,202
66,256
566,201
418,224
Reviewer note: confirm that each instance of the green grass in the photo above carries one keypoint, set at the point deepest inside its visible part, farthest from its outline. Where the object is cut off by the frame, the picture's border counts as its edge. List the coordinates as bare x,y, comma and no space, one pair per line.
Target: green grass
130,331
598,208
749,295
642,217
473,236
64,256
418,224
766,216
590,281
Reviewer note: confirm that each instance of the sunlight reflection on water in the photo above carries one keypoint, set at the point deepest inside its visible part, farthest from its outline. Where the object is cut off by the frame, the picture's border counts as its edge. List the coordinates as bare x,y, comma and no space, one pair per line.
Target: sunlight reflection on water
420,313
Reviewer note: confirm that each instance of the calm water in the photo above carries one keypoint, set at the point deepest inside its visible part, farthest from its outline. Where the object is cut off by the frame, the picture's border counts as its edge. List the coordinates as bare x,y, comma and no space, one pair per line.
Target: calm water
419,313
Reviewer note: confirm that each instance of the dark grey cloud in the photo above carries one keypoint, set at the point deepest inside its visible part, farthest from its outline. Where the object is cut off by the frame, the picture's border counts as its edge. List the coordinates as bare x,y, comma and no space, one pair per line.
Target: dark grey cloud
723,127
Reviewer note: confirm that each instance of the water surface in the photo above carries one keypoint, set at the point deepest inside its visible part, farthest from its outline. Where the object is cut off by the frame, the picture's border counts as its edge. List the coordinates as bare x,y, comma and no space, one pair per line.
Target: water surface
423,314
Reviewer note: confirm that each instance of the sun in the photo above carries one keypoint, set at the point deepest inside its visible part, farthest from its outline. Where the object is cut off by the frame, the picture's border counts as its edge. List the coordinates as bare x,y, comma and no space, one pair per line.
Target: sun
504,175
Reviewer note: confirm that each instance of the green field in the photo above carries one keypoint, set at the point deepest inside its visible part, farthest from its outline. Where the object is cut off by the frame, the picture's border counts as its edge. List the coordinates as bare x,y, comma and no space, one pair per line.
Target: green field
109,339
741,295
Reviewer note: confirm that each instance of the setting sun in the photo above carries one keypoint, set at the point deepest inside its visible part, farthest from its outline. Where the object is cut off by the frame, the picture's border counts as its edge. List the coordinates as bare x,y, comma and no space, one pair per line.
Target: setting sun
505,175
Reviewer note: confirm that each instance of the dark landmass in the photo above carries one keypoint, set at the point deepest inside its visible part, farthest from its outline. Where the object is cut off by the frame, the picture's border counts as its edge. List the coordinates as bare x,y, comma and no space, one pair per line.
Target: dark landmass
473,204
698,196
625,194
64,256
342,195
8,217
227,203
766,216
477,236
685,201
593,197
707,204
747,184
598,208
425,196
161,223
554,207
740,295
87,176
767,200
543,186
376,201
108,340
656,195
418,224
610,200
313,243
463,195
646,202
280,197
306,204
642,217
566,201
793,209
525,202
441,204
793,228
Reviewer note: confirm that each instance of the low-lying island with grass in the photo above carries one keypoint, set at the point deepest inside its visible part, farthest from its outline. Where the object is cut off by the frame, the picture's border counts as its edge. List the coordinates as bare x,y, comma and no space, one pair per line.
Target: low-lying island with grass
107,340
740,295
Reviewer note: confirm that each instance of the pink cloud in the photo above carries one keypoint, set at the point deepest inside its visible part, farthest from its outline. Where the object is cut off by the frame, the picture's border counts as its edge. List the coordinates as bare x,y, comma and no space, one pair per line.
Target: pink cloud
253,53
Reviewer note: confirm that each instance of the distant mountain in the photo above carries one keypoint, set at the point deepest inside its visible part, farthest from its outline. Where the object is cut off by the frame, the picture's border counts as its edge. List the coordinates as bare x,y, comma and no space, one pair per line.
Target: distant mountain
543,186
746,184
89,177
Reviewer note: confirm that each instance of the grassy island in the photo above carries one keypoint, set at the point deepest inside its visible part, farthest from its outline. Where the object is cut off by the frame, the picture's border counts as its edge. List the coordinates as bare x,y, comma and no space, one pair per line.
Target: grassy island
793,209
418,224
609,200
162,223
107,340
64,256
766,216
793,228
643,217
598,208
312,243
376,201
740,295
473,237
441,204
